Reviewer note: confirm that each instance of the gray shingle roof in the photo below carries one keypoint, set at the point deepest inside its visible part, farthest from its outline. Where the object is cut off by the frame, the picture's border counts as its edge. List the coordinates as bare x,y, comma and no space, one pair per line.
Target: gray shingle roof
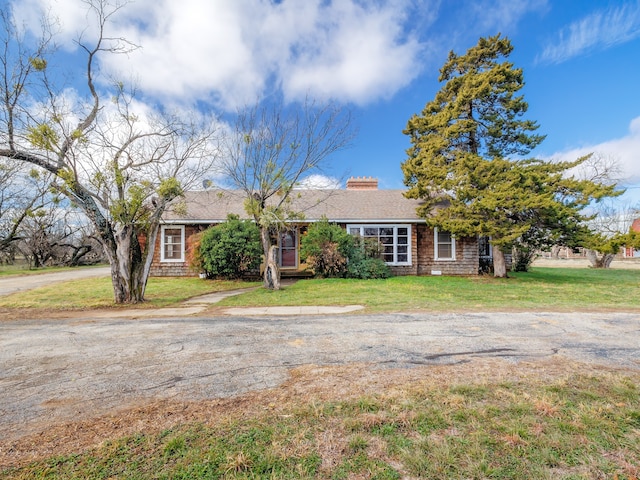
212,206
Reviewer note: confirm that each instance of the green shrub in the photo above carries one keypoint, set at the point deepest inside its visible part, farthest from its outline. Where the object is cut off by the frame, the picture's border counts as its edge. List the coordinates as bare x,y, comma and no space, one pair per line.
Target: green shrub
522,258
365,262
326,248
231,249
331,252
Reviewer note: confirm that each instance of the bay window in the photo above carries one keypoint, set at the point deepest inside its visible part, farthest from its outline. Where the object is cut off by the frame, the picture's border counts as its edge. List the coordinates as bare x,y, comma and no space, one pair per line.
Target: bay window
394,241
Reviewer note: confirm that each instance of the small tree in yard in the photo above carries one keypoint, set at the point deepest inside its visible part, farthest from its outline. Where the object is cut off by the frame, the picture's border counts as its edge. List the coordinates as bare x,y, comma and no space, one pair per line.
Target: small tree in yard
602,249
326,247
607,233
230,250
270,150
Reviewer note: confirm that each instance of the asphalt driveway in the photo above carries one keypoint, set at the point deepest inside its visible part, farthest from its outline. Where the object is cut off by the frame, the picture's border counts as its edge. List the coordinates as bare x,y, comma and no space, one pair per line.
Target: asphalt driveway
55,371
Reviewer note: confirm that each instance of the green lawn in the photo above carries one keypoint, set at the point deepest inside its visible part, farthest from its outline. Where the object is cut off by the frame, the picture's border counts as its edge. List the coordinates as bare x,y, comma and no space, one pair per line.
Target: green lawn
541,288
98,293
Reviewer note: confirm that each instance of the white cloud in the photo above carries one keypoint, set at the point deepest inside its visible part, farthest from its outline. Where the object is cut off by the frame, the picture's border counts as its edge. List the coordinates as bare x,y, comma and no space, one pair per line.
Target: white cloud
362,57
503,15
232,52
235,51
598,31
318,182
625,150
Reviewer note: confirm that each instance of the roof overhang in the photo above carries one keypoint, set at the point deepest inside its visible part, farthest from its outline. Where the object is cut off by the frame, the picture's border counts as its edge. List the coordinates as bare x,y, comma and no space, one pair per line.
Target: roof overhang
305,220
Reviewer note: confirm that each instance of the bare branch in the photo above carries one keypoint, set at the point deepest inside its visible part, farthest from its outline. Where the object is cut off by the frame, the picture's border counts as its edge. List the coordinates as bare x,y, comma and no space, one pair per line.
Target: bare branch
271,148
111,159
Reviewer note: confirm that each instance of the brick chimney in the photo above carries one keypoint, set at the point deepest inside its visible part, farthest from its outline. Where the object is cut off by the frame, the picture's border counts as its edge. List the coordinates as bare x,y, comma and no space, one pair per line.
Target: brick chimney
362,183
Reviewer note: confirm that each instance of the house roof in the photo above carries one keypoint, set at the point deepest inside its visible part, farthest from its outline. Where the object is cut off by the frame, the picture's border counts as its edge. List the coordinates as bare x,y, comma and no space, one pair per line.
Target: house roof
339,205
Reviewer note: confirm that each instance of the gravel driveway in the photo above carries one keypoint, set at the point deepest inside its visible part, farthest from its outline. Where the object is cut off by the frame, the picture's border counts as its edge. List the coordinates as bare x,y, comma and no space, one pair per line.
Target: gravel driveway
61,370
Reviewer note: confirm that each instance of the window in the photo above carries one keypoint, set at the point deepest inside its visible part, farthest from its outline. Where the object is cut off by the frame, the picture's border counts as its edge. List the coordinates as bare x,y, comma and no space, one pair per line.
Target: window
445,245
172,244
394,241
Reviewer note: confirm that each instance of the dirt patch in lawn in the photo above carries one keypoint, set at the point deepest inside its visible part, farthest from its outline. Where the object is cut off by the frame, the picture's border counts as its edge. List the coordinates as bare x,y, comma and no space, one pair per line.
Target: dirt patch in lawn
306,385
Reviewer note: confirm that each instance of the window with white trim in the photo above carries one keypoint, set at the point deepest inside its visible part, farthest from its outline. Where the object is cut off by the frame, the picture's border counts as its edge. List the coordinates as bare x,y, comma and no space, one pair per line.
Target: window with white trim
394,241
444,245
172,244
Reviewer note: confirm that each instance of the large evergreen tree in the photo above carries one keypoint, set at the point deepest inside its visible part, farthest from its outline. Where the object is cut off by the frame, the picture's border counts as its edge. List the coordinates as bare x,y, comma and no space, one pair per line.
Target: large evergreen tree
461,158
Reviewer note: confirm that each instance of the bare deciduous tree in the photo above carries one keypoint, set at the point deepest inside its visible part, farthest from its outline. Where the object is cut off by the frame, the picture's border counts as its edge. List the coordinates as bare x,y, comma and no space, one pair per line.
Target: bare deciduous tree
57,234
269,151
609,229
118,163
22,191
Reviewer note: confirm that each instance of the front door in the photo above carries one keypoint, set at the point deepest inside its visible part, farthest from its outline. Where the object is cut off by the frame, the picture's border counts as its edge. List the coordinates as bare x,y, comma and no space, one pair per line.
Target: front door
289,249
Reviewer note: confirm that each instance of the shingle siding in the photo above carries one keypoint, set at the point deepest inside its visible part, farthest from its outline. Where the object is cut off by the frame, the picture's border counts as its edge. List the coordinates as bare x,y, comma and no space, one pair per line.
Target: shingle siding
175,269
373,207
466,262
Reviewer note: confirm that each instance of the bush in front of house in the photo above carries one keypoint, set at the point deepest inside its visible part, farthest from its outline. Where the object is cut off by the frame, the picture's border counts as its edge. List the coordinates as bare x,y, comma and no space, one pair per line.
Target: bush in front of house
366,262
230,250
326,248
368,268
331,252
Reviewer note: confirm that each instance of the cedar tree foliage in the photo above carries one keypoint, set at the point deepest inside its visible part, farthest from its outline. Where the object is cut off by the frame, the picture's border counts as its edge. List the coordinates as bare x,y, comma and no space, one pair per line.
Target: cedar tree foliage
466,158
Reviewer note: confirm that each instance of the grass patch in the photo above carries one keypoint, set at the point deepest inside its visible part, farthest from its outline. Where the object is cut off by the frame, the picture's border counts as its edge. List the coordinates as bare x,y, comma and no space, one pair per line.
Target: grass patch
541,288
98,293
580,426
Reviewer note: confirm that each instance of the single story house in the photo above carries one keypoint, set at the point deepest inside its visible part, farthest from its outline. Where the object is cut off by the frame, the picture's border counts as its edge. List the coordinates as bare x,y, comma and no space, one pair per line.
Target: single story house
410,247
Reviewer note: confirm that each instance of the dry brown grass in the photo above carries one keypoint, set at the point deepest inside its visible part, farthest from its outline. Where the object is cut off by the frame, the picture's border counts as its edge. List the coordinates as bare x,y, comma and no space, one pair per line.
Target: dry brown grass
308,386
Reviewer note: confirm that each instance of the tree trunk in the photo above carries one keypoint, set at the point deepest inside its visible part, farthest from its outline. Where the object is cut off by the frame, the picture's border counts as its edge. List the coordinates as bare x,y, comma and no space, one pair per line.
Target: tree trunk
78,254
499,263
130,263
599,260
271,276
272,271
127,267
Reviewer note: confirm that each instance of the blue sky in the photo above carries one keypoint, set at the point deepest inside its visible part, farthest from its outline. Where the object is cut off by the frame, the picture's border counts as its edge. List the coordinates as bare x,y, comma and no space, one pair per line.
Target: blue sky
381,58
